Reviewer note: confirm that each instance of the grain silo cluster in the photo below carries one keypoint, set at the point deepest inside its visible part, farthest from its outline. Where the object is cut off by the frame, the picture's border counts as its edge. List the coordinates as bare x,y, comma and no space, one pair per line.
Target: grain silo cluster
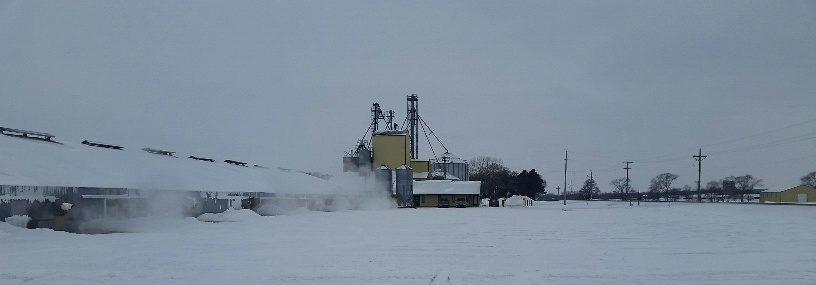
392,154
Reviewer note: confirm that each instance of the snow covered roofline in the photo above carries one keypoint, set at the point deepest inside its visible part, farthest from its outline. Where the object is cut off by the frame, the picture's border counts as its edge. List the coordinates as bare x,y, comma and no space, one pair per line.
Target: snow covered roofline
102,145
451,158
441,174
447,187
26,162
26,134
388,133
783,190
774,190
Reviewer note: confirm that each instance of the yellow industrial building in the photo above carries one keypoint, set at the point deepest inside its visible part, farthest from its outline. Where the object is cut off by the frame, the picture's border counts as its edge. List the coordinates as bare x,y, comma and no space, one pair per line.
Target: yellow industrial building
392,149
801,194
393,157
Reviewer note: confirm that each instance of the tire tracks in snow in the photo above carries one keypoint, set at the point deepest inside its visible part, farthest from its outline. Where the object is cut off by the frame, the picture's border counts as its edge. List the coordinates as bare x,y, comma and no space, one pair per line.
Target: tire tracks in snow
433,279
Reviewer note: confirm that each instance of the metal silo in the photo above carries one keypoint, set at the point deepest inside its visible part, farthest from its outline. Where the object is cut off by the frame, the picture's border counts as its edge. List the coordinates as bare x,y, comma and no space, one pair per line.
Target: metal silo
383,180
405,186
453,166
364,160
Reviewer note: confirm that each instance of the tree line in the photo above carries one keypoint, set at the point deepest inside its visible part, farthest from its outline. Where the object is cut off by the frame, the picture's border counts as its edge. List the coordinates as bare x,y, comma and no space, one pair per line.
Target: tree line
662,188
499,181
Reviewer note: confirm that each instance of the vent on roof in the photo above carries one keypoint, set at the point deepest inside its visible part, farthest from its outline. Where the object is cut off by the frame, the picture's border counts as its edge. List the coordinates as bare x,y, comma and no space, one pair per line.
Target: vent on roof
202,158
234,162
260,166
27,134
102,145
159,152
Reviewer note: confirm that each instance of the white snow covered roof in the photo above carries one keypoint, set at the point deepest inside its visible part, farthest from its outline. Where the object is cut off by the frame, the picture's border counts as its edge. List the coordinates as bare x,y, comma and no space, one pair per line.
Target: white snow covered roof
31,162
446,187
774,190
421,175
446,176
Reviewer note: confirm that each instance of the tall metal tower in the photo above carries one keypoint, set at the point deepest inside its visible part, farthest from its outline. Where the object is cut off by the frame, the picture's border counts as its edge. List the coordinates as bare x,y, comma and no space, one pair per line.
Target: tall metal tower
389,121
376,116
413,124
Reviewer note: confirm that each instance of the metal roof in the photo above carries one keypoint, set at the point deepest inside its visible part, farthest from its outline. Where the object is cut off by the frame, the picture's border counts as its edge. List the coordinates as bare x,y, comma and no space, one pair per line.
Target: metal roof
447,187
792,188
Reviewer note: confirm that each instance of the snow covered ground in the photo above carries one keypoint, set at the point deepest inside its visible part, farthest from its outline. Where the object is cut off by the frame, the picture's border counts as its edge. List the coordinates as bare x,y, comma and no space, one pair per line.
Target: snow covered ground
589,243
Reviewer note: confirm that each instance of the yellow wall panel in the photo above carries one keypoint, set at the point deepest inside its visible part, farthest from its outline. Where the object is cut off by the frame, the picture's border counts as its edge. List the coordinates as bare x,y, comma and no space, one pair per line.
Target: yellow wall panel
391,150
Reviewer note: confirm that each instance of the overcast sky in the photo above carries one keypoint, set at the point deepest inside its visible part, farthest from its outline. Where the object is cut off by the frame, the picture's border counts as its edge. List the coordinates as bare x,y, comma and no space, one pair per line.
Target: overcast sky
290,83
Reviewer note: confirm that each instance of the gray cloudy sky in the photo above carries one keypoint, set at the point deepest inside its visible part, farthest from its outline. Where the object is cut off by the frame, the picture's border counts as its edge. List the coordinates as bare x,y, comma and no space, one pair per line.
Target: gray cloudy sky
289,83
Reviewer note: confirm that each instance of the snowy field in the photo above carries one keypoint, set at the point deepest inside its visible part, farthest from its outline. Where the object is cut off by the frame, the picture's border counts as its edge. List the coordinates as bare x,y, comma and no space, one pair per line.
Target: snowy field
589,243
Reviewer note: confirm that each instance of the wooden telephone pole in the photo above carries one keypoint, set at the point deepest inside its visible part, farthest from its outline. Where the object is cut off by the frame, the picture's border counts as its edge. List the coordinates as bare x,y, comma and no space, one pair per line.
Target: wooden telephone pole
566,157
628,197
699,158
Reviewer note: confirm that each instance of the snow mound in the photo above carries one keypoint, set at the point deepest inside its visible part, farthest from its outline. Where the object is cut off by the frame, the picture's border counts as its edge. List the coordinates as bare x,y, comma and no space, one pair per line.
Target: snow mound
282,209
229,216
17,220
517,201
134,225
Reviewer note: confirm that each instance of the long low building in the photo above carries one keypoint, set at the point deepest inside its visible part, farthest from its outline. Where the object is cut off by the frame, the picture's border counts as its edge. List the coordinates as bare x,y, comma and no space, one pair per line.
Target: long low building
32,162
58,181
446,193
801,194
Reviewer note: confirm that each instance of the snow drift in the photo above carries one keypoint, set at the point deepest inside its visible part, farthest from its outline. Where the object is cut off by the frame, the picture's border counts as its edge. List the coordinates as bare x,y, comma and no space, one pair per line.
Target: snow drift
229,216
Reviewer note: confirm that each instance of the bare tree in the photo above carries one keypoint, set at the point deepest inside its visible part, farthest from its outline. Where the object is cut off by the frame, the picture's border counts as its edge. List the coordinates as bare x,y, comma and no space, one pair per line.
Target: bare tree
713,187
686,192
663,182
809,179
485,164
620,186
745,184
496,179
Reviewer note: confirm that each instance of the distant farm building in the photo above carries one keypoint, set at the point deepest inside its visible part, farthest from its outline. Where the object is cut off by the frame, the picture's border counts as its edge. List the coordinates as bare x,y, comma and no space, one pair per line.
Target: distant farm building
446,193
801,194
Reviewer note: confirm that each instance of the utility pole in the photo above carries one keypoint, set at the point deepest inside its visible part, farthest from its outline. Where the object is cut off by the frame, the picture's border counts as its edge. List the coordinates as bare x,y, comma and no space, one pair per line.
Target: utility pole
627,182
699,158
566,157
593,182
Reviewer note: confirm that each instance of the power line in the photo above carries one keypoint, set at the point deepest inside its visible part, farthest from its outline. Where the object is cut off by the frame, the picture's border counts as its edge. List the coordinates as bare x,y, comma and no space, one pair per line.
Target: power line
774,143
665,158
429,142
742,138
432,133
794,139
